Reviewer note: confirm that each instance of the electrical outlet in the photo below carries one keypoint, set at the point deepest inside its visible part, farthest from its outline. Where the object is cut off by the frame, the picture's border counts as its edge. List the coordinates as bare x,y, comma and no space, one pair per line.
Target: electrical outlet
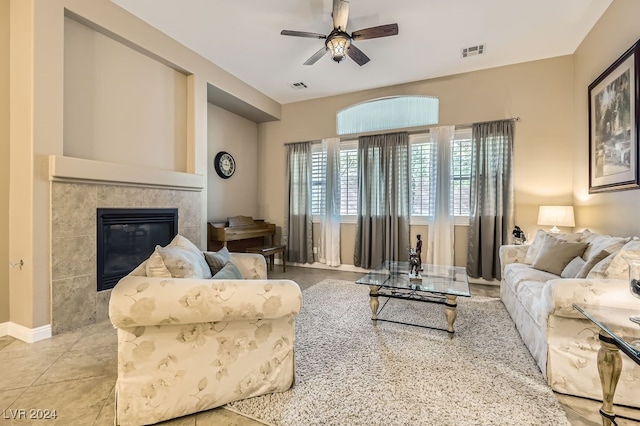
315,250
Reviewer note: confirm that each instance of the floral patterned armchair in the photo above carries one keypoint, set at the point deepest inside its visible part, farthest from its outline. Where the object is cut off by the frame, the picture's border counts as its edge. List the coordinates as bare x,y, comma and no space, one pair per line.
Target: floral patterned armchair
187,345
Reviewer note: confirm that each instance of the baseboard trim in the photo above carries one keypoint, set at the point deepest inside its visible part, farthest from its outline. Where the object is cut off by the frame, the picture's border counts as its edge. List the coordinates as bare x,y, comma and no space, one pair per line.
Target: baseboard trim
28,335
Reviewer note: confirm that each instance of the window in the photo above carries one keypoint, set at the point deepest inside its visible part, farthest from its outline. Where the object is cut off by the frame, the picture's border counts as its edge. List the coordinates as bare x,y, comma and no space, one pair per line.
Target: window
422,180
318,182
348,179
461,152
422,156
394,112
422,168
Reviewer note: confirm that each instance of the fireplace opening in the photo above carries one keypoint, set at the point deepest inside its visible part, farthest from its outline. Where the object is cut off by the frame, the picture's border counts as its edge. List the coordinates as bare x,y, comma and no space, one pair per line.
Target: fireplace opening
127,237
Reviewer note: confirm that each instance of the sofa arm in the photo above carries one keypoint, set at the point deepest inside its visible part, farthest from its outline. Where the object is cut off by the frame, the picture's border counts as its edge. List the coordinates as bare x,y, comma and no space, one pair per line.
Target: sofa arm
512,253
252,266
559,295
145,301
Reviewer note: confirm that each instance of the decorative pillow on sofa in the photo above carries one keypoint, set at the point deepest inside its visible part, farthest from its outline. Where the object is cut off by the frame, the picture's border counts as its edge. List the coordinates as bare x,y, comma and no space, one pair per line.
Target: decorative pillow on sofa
573,267
217,260
593,261
155,266
599,242
179,259
619,268
555,254
539,239
228,272
600,269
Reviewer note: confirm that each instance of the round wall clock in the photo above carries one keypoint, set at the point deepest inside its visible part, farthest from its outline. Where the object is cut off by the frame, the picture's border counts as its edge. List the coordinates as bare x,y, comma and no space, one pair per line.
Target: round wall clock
224,164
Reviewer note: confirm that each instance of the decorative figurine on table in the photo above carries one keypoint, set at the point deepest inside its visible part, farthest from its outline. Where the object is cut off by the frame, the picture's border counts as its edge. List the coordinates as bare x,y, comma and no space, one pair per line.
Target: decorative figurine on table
414,264
519,236
419,251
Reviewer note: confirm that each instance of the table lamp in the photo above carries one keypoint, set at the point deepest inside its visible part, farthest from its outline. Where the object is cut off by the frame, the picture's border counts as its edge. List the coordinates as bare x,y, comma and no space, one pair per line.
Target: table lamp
556,216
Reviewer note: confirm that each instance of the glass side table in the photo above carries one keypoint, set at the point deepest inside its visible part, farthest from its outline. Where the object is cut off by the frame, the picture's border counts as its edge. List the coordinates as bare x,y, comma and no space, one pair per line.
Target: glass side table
609,359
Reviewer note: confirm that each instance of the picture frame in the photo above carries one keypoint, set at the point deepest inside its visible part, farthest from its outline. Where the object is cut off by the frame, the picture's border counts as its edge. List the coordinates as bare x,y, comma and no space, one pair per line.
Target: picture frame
613,125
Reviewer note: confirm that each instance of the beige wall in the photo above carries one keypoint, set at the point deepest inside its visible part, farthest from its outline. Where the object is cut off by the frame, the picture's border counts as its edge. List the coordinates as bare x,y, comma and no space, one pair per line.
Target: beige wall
120,105
237,195
4,161
37,117
538,92
615,213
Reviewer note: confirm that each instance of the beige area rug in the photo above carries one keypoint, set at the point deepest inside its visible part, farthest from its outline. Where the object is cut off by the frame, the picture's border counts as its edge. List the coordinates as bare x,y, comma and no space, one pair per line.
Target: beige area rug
350,372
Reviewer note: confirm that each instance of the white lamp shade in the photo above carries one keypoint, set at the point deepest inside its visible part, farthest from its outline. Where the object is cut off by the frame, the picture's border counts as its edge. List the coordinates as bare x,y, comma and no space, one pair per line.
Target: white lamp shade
556,216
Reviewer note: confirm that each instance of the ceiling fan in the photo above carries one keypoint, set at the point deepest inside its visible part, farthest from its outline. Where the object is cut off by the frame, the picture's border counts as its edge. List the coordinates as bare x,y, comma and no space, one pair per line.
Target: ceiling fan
338,42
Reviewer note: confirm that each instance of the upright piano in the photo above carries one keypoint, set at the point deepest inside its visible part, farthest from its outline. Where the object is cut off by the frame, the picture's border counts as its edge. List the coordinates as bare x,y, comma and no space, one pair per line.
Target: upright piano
239,233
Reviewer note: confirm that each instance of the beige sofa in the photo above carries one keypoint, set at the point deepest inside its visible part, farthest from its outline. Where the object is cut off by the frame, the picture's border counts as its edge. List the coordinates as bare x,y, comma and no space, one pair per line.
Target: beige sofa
563,343
187,344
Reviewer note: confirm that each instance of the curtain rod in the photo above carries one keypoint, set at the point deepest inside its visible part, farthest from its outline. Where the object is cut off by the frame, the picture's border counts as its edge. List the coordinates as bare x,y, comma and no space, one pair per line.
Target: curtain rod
350,137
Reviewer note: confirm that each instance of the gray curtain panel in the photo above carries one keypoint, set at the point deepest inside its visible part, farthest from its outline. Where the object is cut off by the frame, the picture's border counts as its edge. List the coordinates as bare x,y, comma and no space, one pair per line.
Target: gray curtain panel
491,217
299,219
383,200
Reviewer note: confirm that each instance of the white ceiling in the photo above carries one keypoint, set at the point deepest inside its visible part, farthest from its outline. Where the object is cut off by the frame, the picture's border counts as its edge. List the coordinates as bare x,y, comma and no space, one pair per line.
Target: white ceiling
243,37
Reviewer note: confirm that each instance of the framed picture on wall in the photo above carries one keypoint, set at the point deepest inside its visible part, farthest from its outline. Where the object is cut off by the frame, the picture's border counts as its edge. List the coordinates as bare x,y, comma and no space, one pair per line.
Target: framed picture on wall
613,125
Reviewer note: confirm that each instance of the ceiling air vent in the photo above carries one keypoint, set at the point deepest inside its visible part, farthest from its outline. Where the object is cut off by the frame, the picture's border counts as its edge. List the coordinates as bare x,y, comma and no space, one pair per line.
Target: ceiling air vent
298,86
472,50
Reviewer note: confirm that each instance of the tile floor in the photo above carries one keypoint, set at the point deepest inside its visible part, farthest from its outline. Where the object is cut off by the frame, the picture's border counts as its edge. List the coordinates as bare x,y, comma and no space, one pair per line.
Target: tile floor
74,374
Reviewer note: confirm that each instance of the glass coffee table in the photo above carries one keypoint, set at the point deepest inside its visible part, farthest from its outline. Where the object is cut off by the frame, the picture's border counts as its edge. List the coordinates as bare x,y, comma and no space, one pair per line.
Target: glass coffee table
436,284
613,340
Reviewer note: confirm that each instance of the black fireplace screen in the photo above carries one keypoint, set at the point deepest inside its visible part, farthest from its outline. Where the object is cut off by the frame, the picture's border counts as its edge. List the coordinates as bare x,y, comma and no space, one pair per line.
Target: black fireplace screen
126,237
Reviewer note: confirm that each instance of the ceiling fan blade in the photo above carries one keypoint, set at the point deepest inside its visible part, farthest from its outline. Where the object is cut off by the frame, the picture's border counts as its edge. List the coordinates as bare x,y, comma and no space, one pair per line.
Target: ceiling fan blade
357,55
302,34
316,56
376,32
340,14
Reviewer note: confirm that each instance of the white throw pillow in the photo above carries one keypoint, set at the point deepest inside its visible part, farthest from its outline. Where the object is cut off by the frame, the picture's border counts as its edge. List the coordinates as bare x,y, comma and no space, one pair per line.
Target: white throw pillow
178,259
155,266
183,263
573,267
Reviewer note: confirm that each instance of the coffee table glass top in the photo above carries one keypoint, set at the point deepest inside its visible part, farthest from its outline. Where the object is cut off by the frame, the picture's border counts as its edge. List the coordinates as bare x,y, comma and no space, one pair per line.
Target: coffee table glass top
627,337
447,280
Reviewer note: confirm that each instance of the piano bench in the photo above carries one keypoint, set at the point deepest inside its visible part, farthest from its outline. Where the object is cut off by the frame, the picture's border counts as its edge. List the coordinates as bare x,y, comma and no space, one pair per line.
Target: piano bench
270,252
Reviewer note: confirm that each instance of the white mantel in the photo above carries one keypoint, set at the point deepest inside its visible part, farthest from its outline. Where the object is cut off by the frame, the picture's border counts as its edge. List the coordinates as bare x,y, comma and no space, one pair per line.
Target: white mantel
78,170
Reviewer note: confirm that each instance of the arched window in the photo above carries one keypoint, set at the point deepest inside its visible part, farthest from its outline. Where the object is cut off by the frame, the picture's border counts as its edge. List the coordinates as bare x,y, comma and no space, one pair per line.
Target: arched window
395,112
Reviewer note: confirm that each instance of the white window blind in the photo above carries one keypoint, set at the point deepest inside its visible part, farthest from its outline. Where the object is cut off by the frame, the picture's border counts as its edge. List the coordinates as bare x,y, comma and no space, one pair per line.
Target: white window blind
349,178
422,156
461,152
422,169
318,180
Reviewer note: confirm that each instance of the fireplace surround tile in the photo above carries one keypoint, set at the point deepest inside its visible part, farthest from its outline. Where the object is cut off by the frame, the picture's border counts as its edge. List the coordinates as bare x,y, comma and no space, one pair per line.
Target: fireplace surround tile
75,302
75,209
73,256
73,241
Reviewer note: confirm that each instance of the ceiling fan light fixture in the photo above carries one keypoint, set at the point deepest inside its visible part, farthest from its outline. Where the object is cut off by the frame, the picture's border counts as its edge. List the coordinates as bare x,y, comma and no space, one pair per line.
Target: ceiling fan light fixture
338,42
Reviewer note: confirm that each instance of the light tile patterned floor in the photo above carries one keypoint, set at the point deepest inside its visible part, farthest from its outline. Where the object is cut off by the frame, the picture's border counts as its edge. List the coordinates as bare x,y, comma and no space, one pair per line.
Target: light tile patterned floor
74,374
